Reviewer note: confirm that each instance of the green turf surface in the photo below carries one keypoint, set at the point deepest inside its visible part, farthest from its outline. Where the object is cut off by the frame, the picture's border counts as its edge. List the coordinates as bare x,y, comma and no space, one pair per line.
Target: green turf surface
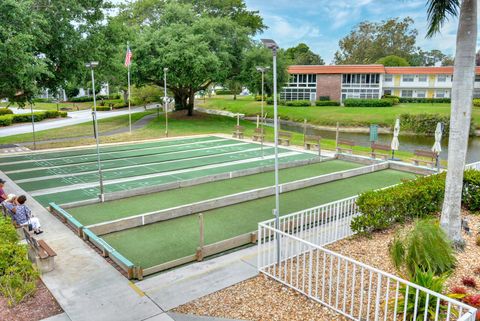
92,193
208,157
113,210
139,157
114,154
165,241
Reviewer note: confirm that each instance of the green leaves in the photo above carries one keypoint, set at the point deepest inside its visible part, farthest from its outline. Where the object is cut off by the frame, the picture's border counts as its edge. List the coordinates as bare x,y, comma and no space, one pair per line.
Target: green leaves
438,12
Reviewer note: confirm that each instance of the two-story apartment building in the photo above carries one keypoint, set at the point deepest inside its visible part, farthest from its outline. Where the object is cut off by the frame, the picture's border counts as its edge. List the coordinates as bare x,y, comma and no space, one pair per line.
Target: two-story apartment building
369,81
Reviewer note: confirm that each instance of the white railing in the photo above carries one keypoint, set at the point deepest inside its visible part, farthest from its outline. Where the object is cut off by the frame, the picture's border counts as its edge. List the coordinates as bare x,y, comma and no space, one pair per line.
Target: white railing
475,165
320,225
350,288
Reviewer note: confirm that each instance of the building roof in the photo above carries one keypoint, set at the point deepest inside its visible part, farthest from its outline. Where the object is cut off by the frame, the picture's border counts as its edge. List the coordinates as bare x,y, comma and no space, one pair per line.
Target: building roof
370,69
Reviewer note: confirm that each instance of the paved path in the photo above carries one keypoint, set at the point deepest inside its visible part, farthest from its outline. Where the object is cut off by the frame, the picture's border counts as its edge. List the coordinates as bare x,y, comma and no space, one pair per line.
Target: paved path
75,117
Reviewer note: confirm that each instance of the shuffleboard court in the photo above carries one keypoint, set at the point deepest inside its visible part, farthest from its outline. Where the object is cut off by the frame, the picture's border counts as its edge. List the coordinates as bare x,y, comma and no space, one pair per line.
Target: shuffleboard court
38,156
113,210
217,156
162,242
89,193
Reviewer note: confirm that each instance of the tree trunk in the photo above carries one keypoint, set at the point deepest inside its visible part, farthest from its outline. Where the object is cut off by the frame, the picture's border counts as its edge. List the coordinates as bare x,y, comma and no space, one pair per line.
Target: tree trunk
462,93
191,102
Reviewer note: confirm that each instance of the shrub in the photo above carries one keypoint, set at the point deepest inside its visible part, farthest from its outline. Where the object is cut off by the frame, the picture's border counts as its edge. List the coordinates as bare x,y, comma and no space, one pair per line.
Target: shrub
102,108
5,111
471,190
473,300
5,120
476,102
469,281
324,98
426,123
298,103
353,102
395,99
416,198
223,92
425,247
408,100
259,97
81,99
459,290
279,102
7,233
43,100
327,103
426,279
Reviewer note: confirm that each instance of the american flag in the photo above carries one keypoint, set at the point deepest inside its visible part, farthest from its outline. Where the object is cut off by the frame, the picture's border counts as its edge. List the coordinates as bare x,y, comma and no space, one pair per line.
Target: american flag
128,57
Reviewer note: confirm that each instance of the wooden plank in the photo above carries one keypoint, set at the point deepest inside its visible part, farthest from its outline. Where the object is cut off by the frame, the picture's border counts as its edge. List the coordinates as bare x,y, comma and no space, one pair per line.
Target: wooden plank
46,248
169,265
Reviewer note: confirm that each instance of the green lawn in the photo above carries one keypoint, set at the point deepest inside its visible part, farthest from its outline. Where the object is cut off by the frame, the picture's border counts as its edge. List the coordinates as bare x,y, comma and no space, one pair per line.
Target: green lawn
96,213
165,241
53,106
329,116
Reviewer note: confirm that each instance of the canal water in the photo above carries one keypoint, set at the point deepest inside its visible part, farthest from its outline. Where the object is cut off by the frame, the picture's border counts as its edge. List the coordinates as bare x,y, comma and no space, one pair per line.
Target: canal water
407,142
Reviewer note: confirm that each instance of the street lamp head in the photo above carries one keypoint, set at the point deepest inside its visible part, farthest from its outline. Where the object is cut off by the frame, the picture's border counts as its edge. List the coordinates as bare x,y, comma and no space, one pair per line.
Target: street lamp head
262,69
270,44
91,64
165,69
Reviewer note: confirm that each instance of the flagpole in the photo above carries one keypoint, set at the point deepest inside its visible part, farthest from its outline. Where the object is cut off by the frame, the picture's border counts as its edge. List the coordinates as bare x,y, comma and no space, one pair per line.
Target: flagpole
129,107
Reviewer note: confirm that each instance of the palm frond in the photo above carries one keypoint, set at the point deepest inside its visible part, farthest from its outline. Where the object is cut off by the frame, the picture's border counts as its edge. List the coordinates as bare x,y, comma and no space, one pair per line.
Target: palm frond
438,12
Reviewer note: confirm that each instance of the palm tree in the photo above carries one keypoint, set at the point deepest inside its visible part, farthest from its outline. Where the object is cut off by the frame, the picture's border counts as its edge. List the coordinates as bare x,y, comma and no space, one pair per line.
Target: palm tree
462,94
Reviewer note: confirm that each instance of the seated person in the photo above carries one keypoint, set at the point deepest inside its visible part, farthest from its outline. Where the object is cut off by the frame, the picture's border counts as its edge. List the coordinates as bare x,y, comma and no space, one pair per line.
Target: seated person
10,199
3,196
22,215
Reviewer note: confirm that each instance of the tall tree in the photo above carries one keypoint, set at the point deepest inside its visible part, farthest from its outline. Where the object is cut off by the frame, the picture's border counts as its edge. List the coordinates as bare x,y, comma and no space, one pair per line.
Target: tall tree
393,61
462,93
198,50
370,41
21,35
302,55
259,56
427,58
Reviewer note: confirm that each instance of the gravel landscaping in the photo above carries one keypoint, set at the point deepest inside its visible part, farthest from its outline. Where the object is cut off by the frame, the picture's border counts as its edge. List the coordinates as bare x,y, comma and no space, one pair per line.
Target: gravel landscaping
262,298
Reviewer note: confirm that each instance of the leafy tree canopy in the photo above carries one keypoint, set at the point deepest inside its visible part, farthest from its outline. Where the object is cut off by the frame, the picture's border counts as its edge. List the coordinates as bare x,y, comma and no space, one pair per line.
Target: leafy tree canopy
393,61
198,50
370,41
430,58
302,55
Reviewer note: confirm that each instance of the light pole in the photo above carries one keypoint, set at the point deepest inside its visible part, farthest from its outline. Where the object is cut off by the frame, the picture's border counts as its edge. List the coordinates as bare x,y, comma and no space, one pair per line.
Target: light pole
92,66
33,127
272,45
165,99
262,70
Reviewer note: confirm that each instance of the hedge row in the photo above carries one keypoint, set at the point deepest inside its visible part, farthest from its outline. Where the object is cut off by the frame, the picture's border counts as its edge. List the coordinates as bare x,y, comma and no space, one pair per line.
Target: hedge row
18,277
223,92
418,198
407,100
84,99
426,123
352,102
7,120
5,111
327,103
298,103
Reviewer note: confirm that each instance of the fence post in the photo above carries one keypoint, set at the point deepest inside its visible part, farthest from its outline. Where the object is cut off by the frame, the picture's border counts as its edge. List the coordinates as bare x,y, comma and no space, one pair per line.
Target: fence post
336,136
199,253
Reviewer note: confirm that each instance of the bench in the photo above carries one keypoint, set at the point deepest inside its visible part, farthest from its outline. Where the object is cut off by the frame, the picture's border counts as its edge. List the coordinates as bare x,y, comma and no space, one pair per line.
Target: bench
312,142
258,135
345,142
431,157
284,138
376,147
40,253
238,132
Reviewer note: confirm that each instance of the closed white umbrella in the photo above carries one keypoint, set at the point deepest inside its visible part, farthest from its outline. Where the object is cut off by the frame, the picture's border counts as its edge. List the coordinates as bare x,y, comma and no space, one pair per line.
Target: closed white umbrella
395,143
437,147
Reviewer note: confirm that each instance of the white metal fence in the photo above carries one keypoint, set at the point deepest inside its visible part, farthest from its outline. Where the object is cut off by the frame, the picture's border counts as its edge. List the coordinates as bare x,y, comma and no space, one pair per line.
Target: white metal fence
293,254
475,165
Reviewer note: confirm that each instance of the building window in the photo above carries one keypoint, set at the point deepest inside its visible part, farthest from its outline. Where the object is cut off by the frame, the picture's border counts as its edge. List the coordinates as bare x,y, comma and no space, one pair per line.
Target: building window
440,94
407,93
387,92
422,78
421,94
295,93
442,78
408,78
388,78
303,80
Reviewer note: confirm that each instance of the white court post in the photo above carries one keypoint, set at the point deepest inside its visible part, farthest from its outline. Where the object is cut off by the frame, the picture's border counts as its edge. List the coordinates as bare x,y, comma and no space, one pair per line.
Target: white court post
165,100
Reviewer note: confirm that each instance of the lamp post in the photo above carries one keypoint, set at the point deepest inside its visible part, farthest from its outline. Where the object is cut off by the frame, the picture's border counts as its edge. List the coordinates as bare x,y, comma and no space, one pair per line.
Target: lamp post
272,45
33,127
262,70
92,66
165,100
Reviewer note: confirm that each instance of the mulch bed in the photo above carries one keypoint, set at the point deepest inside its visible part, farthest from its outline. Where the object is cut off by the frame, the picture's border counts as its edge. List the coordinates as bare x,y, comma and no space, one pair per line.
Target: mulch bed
37,307
262,298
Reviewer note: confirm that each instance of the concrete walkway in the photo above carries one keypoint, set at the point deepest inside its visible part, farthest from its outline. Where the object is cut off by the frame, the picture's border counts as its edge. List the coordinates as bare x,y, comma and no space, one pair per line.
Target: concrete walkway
85,285
74,118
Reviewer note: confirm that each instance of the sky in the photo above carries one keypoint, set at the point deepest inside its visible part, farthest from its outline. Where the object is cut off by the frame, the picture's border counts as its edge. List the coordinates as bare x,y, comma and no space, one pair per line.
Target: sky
322,23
